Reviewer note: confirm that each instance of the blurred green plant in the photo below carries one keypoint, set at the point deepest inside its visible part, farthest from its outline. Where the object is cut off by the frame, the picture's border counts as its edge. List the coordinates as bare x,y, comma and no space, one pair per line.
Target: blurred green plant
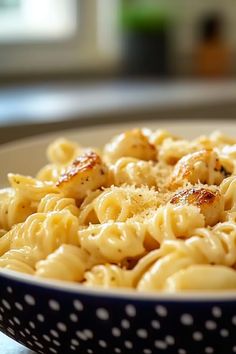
144,18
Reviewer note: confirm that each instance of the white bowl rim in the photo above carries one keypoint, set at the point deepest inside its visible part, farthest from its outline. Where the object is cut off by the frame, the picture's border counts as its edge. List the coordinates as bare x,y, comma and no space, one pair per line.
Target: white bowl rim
121,293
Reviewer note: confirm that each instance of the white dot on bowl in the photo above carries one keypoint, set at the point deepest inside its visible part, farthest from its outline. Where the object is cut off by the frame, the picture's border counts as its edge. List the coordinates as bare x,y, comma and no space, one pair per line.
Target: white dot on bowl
34,337
72,347
31,324
9,290
78,305
161,311
142,333
18,306
117,350
234,348
81,335
75,342
1,318
234,320
155,324
22,334
224,332
40,317
209,350
102,314
130,310
89,351
29,299
54,305
125,324
170,340
216,311
52,350
16,320
46,337
102,343
128,344
11,331
2,309
58,344
88,333
182,351
160,344
11,323
27,331
147,351
210,325
197,336
62,327
116,332
6,304
39,345
73,317
54,333
186,319
29,343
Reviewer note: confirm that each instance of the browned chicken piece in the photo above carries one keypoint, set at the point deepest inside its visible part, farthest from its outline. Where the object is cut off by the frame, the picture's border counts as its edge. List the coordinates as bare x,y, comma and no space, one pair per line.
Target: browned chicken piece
199,167
209,200
87,173
132,143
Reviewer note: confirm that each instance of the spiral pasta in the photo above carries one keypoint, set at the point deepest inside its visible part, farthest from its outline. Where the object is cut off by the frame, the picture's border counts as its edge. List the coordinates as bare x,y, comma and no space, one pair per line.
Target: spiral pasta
56,202
60,153
43,231
68,263
22,260
170,222
151,211
108,276
228,190
214,246
21,200
134,172
119,204
114,242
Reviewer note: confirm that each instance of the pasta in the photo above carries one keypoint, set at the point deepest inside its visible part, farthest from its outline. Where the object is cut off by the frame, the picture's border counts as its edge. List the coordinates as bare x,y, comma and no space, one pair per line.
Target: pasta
119,204
68,262
150,211
21,200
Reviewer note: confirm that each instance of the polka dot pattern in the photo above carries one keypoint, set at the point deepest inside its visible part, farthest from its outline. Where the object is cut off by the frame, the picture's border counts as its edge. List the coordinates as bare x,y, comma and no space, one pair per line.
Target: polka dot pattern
186,319
30,300
161,311
130,310
125,323
210,325
102,314
48,322
54,305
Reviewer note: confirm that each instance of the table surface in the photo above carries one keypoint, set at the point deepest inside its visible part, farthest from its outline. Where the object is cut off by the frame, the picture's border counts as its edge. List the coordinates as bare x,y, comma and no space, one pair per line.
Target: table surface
9,346
54,103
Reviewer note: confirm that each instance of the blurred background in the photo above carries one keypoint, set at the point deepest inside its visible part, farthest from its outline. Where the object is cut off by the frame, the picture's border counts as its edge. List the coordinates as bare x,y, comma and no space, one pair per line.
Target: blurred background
66,63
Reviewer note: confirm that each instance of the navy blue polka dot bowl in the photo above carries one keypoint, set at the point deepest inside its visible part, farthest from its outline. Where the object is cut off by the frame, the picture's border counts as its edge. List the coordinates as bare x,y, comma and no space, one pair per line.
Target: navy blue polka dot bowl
66,318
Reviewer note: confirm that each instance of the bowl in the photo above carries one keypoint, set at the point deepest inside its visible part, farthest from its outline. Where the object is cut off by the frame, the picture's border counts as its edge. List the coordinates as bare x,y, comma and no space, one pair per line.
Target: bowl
57,317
